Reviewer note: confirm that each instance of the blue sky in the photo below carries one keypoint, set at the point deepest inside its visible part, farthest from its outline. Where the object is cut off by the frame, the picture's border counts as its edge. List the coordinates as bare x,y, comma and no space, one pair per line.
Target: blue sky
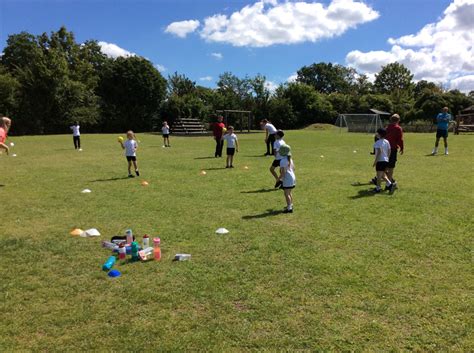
205,38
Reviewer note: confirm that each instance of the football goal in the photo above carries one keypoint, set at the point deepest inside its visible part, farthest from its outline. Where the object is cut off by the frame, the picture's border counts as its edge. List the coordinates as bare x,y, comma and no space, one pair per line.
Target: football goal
368,123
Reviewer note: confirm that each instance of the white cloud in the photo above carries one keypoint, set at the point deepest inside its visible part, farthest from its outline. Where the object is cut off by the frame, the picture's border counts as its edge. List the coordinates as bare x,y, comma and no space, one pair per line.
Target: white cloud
270,22
182,28
292,78
463,83
441,52
160,67
113,50
271,86
206,78
217,56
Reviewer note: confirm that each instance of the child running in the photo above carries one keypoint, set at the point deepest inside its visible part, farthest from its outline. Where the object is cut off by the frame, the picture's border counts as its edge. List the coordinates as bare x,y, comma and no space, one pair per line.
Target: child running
276,162
232,146
166,134
382,154
287,176
130,146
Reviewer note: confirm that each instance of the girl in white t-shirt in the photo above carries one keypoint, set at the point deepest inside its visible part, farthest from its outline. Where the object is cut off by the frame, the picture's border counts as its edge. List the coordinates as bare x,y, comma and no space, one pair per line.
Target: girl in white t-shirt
76,136
130,146
382,155
232,146
165,130
287,176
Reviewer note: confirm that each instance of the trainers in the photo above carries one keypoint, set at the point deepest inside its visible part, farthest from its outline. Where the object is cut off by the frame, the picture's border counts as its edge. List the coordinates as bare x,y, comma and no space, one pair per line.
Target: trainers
376,191
373,181
137,172
278,184
389,187
130,176
394,185
446,153
287,210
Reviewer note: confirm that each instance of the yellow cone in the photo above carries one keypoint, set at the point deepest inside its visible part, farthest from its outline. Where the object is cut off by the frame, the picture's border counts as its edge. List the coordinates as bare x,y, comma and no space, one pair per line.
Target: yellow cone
76,231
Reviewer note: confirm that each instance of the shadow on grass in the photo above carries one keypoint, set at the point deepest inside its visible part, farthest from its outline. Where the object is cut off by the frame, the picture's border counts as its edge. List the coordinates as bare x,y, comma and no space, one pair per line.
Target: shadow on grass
258,191
205,157
260,155
110,179
268,213
362,193
2,185
215,168
358,183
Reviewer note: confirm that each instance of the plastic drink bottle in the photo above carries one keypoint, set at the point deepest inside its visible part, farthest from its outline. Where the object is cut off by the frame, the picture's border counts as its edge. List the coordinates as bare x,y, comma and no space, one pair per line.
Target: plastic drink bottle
145,254
156,249
109,263
146,241
122,252
134,251
129,235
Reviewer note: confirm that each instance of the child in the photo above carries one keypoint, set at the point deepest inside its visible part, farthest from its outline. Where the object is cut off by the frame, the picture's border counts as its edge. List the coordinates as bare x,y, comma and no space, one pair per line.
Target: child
276,162
166,134
76,136
382,153
287,176
232,146
130,146
5,124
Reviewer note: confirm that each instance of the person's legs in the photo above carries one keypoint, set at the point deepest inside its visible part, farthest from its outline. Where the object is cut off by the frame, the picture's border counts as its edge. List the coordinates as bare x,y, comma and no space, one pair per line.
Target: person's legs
168,142
232,161
272,170
390,174
221,146
289,200
79,142
445,138
435,149
75,142
272,140
268,146
136,168
129,168
227,162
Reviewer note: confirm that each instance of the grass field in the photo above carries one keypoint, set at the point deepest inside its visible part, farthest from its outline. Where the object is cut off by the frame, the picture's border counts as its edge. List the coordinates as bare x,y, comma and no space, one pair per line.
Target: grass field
348,271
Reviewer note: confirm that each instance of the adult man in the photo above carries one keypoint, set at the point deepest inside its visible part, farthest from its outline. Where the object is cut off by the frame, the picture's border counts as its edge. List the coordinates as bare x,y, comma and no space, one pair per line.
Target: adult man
442,120
395,138
217,130
270,132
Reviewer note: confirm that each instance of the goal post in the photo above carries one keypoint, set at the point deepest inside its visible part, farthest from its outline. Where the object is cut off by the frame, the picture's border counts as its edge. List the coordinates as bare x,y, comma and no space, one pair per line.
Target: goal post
367,123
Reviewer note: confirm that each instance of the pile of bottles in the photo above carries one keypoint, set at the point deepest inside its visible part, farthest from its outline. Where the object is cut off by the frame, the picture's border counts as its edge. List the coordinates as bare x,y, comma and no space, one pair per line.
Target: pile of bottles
127,245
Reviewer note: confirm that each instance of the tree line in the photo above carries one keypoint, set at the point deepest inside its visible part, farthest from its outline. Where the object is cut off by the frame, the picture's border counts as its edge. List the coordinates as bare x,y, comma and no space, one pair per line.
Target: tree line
49,81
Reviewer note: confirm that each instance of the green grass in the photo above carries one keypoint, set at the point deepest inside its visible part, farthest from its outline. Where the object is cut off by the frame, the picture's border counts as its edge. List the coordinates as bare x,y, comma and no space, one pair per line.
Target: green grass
347,271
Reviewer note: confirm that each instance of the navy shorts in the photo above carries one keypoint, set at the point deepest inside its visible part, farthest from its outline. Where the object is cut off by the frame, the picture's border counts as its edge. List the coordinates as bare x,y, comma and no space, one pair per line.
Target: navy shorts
276,163
166,135
288,187
230,151
441,133
392,160
381,166
131,158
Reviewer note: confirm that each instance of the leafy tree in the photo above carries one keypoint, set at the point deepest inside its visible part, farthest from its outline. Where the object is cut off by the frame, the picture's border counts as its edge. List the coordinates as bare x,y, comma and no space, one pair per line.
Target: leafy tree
457,101
261,96
341,103
9,87
374,101
327,78
236,92
180,85
423,85
394,77
131,90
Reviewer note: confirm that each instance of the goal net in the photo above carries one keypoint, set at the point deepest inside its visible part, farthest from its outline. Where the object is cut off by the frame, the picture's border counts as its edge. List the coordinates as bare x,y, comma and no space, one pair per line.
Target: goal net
368,123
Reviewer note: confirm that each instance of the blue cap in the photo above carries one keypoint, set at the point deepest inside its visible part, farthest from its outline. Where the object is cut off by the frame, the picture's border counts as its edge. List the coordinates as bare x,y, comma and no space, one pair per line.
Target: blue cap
114,273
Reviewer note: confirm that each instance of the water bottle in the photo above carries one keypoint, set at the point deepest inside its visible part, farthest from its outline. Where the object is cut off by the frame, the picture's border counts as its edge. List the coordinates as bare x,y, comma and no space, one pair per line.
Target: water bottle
134,251
129,235
156,249
146,241
109,263
122,252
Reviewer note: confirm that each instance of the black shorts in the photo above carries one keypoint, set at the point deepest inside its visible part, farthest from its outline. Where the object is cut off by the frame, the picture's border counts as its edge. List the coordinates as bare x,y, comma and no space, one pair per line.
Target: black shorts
276,163
441,133
392,160
166,135
288,187
230,151
131,158
381,166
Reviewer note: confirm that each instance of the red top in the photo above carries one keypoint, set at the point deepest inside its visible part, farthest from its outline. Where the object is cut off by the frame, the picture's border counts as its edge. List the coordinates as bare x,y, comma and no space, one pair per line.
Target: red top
395,136
3,135
217,129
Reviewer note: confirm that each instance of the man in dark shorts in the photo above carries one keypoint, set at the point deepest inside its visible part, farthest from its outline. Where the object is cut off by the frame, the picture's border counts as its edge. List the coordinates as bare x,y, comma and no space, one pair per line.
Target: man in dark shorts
395,138
442,120
218,130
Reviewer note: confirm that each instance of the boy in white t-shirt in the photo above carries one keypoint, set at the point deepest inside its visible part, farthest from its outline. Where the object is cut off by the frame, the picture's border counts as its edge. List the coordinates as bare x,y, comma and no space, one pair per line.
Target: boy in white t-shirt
232,146
382,154
130,146
165,130
276,162
76,136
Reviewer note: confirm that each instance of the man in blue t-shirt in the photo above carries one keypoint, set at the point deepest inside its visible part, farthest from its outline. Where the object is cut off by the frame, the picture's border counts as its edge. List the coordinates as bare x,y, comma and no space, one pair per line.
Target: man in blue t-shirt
442,120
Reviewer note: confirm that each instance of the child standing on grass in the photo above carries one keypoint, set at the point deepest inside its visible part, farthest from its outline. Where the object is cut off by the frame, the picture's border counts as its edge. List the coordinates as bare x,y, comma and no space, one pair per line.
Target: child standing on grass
382,154
166,134
5,124
287,176
232,146
276,162
76,136
130,146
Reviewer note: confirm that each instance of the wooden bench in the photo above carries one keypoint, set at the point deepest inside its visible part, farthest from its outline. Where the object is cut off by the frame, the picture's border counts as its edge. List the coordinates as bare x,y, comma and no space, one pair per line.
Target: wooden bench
464,123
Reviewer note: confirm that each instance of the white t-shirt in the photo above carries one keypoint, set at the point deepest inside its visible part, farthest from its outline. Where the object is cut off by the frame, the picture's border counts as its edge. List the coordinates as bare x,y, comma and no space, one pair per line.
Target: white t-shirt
165,130
384,147
231,139
289,178
130,148
276,146
270,128
75,130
